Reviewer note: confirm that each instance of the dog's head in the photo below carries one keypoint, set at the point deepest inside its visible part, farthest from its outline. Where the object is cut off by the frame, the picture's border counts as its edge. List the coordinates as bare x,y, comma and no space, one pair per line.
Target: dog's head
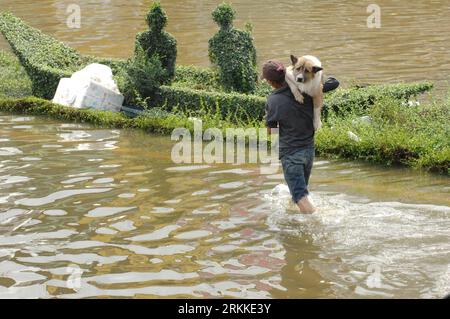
304,69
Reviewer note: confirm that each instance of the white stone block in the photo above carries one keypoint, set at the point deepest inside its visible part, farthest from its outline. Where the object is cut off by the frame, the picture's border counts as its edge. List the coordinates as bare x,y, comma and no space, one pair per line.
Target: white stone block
91,87
98,97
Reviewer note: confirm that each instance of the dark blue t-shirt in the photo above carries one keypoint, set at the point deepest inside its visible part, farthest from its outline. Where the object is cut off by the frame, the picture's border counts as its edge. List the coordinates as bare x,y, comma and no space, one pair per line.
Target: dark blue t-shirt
294,120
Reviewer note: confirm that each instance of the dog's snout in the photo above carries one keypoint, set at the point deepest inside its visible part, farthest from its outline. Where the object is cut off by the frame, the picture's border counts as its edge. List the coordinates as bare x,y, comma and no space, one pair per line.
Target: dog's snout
300,79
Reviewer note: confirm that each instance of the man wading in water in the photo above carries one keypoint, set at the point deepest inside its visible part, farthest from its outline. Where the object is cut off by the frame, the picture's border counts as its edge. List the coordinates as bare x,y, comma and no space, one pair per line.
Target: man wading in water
295,123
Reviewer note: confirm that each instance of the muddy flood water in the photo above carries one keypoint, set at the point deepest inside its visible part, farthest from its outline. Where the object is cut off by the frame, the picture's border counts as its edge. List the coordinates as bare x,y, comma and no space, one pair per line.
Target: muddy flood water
88,212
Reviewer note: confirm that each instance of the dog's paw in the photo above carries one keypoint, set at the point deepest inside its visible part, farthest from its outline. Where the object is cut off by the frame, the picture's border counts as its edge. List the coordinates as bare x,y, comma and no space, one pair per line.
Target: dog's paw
317,124
298,97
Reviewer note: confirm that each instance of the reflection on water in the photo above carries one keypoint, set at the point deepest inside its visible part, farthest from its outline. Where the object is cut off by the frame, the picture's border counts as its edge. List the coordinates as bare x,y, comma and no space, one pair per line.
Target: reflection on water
412,43
132,224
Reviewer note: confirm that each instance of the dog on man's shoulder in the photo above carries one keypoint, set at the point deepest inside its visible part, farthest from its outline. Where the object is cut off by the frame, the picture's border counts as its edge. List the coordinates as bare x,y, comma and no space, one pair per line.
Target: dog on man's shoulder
305,75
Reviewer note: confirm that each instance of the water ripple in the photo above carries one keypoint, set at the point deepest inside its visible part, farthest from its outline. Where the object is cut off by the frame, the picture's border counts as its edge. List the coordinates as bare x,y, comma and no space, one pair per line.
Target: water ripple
58,196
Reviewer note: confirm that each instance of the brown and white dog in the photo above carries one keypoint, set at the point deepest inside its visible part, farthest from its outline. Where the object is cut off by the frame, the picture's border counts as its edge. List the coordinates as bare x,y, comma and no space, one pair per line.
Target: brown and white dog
305,75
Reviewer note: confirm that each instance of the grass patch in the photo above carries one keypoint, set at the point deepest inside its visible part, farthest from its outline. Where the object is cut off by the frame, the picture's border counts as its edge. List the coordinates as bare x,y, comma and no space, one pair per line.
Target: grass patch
415,136
155,120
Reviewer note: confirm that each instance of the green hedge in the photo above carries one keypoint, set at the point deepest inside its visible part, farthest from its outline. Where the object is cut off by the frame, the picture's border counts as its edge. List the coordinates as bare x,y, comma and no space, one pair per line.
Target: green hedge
45,59
198,78
357,98
341,101
241,105
116,65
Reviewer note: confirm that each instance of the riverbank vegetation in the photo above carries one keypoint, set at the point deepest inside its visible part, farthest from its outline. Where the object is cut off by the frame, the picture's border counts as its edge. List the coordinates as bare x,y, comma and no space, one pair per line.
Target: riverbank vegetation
374,123
389,131
392,132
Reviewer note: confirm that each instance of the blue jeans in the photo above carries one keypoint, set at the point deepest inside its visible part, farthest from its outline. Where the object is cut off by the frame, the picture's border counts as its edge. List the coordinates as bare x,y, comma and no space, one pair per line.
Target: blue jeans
297,170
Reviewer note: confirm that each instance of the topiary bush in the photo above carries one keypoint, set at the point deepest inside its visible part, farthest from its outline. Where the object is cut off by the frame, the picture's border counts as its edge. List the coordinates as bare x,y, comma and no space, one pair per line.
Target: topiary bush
140,78
158,42
232,50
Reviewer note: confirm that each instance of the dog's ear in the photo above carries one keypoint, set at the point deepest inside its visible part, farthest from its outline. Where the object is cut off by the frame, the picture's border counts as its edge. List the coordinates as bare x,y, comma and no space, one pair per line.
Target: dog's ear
294,59
317,69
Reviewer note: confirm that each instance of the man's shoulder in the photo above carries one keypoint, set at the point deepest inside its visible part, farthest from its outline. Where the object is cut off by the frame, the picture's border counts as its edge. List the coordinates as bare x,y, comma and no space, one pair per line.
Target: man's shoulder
272,98
286,97
279,95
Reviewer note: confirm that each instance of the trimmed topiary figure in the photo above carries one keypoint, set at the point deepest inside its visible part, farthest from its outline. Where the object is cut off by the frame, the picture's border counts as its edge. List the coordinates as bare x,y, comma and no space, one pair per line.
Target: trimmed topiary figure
232,50
158,42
